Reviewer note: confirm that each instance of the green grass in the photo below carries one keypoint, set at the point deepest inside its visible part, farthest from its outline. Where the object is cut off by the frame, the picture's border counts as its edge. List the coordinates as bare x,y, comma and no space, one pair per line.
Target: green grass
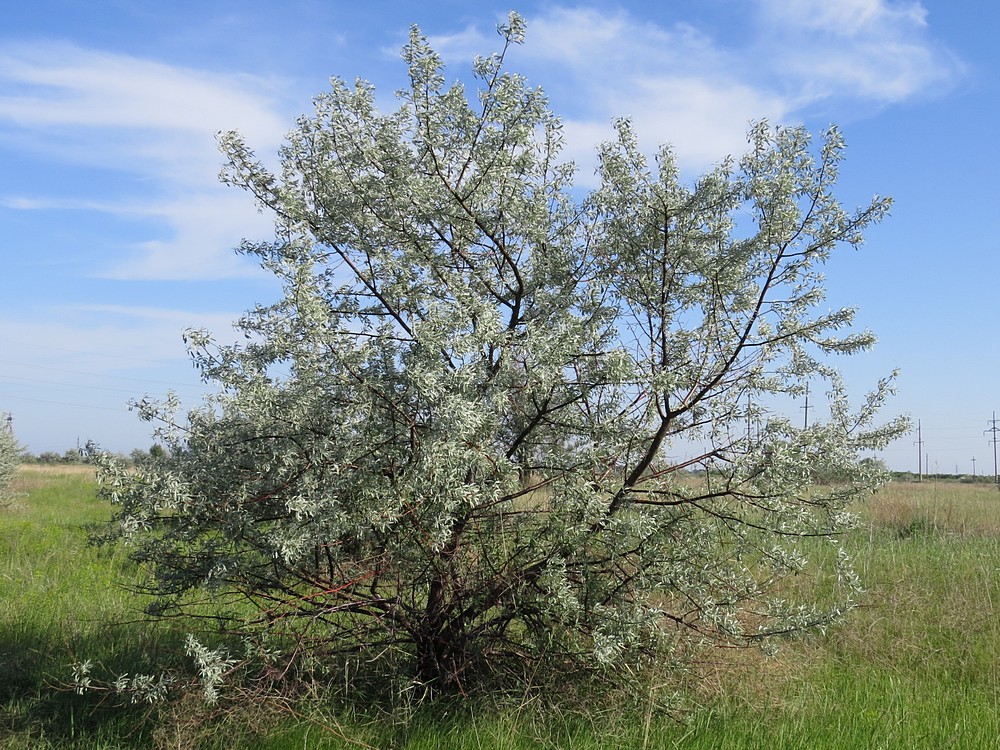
62,601
914,666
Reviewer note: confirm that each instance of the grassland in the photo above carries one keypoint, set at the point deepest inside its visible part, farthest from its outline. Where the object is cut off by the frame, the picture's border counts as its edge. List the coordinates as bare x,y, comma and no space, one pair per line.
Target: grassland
915,666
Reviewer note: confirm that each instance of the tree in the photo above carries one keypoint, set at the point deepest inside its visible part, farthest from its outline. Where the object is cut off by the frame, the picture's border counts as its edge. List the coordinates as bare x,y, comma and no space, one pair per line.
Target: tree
10,460
450,445
140,457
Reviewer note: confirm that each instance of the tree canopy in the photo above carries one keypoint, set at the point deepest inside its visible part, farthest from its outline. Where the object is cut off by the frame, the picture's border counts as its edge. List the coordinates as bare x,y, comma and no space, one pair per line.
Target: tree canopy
10,460
497,422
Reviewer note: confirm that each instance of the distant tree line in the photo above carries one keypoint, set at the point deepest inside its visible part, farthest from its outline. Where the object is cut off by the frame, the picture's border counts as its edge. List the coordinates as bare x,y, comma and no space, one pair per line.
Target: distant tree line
84,455
910,476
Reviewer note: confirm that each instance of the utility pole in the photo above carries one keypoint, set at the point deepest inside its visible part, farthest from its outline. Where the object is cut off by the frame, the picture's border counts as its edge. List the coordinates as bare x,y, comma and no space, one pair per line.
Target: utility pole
920,454
9,423
805,419
993,430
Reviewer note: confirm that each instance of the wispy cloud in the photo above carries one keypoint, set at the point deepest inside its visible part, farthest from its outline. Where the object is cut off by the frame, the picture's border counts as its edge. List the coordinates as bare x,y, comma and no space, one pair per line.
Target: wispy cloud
172,321
846,18
204,222
71,373
879,51
60,84
681,85
151,120
675,83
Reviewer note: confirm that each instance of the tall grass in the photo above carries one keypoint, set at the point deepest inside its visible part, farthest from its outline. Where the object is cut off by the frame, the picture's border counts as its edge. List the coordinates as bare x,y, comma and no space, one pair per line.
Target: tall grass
63,601
913,666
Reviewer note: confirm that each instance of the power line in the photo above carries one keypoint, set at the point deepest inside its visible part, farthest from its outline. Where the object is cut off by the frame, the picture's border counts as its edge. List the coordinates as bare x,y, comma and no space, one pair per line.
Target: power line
68,385
993,429
89,374
62,403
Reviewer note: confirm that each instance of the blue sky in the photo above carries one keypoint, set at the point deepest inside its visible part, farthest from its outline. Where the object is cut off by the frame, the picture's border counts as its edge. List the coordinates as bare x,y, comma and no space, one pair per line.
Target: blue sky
117,236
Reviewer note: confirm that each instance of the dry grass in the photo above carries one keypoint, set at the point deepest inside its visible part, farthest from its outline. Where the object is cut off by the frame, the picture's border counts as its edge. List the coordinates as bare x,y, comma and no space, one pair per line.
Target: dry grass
927,559
914,666
33,476
50,470
748,678
939,507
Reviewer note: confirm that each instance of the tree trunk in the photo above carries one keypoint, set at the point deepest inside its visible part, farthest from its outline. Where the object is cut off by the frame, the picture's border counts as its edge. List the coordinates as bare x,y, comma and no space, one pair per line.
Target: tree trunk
441,649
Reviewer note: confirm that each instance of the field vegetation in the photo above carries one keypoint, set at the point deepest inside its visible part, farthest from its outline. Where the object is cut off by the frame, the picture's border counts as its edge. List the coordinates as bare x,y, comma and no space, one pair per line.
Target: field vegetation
914,665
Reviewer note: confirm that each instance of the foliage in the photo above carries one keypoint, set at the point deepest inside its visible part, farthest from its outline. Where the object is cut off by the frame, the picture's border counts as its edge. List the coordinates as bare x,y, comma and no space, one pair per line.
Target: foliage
71,456
449,449
140,457
10,460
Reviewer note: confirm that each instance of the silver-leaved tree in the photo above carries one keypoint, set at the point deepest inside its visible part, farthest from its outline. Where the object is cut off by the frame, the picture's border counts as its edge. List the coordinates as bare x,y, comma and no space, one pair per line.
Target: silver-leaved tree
495,422
10,460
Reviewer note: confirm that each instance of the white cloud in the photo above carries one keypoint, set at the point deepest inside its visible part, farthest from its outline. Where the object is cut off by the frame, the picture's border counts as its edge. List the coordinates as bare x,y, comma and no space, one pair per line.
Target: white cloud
92,336
681,85
92,350
878,51
62,84
70,373
845,18
173,315
460,46
152,121
675,83
678,84
205,228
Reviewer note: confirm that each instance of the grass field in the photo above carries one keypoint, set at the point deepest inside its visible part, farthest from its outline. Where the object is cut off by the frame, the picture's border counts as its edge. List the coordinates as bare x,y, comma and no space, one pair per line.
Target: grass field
915,666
